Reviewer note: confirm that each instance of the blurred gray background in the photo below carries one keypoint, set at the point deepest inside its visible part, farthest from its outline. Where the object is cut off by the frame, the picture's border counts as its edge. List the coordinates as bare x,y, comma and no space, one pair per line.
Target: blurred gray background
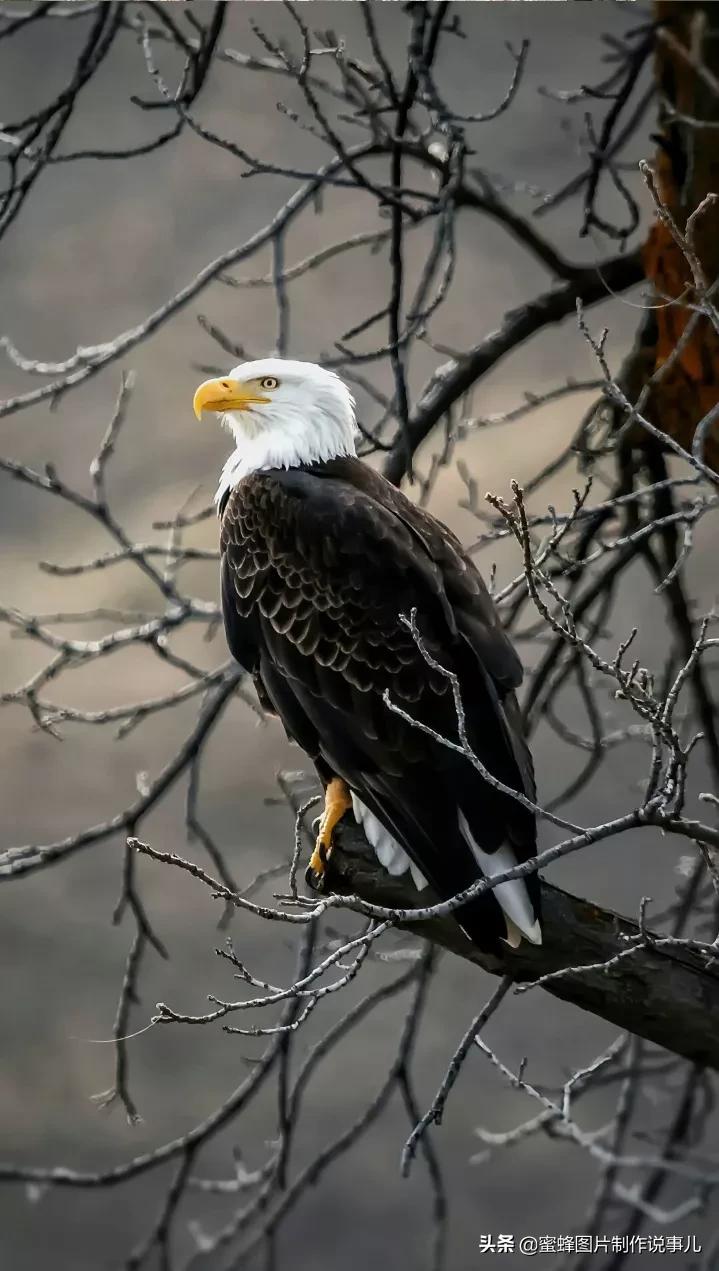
97,247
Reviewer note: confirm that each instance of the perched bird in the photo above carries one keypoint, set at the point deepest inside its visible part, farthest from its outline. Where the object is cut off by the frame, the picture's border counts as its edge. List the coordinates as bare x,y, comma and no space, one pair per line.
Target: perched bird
324,564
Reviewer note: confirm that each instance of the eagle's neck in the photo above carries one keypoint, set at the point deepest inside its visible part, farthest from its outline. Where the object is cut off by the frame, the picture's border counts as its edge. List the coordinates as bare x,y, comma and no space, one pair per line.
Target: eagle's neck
293,442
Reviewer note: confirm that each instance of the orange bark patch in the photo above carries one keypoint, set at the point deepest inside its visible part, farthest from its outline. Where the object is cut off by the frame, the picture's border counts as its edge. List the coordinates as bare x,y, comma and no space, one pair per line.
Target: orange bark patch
687,169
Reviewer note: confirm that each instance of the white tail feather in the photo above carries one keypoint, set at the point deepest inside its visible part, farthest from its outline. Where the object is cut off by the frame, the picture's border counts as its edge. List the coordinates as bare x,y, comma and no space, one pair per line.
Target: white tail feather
389,852
512,895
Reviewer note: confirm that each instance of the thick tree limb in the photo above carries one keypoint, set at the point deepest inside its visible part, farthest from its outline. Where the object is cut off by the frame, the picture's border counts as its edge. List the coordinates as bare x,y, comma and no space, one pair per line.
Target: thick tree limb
455,378
669,996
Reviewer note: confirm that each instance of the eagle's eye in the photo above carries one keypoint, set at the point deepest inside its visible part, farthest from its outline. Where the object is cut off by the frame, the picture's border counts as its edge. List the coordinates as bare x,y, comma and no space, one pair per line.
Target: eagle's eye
269,382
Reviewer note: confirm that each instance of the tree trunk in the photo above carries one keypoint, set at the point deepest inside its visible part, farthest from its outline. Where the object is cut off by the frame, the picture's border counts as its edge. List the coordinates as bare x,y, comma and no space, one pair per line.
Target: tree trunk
687,172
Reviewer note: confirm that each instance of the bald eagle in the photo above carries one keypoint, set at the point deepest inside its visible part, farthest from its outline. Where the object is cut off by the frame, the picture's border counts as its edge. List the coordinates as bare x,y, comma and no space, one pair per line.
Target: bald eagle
323,562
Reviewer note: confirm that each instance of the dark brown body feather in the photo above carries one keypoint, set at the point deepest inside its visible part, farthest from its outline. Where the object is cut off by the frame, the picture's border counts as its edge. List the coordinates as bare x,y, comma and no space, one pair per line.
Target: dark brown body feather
318,563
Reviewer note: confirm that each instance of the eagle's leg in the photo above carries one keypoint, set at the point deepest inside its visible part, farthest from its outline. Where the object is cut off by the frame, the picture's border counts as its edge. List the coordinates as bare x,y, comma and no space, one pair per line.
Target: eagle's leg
337,801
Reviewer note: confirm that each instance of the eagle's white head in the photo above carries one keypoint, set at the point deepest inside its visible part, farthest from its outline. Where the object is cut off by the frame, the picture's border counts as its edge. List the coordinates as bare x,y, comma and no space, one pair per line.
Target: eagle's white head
281,414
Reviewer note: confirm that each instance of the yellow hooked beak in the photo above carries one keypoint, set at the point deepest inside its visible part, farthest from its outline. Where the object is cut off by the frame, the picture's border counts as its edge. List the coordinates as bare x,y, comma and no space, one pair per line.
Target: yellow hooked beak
225,394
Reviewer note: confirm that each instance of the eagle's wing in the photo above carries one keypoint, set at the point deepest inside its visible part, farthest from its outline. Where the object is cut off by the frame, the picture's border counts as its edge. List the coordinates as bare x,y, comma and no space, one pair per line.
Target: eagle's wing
318,566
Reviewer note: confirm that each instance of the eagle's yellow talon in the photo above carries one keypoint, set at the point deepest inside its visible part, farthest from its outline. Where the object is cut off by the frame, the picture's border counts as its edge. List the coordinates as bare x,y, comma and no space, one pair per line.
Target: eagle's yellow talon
315,872
337,801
